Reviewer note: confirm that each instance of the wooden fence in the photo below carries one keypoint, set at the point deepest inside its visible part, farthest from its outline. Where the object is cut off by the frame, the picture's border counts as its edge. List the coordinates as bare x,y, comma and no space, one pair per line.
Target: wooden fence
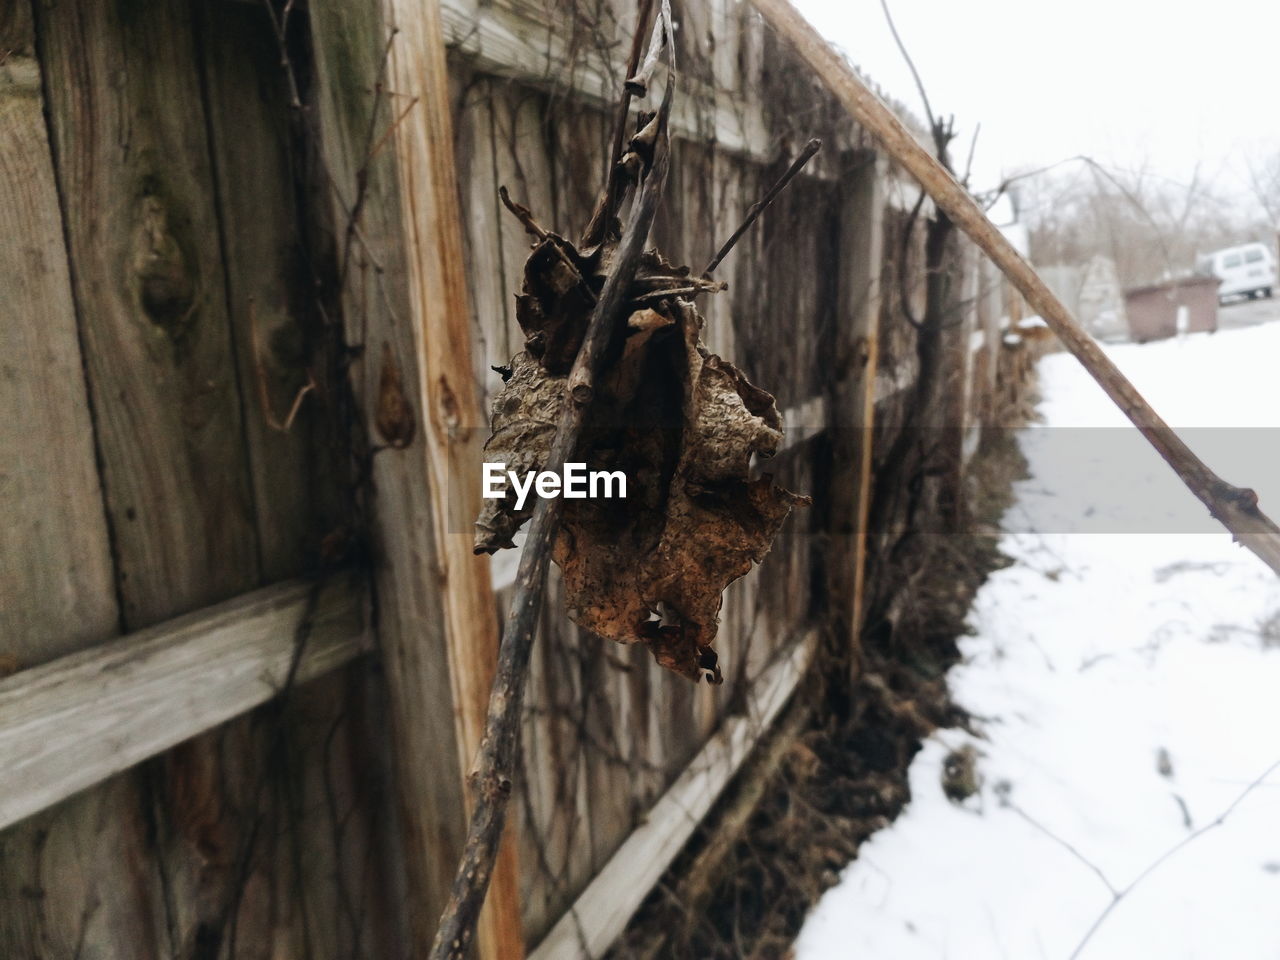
248,657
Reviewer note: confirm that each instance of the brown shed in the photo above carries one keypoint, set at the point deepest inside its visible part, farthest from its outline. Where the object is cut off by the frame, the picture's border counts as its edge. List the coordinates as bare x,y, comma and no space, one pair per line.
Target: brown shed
1185,305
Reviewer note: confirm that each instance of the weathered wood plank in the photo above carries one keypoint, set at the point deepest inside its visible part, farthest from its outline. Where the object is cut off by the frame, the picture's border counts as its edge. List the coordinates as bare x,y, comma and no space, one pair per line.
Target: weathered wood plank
853,390
453,421
71,723
55,559
131,163
434,650
493,329
603,909
137,193
57,579
528,46
273,285
280,292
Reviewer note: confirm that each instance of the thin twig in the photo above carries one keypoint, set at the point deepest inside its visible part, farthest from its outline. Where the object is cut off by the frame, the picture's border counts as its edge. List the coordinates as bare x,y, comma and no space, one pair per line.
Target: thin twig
973,148
495,764
1097,870
260,374
810,148
1164,857
691,290
523,214
911,65
611,195
387,134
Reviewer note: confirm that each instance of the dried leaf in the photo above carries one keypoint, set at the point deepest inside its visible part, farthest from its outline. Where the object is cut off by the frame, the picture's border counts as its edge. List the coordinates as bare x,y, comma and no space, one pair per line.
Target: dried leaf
680,423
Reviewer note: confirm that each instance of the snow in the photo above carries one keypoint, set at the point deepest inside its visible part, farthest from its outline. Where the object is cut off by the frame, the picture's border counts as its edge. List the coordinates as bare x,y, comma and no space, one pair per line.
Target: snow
1121,631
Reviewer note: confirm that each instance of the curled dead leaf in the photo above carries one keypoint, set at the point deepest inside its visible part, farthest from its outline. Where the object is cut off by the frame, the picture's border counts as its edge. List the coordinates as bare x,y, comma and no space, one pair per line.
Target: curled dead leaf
680,423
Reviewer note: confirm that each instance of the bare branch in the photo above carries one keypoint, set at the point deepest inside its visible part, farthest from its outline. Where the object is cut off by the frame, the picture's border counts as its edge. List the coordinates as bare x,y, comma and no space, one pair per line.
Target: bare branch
810,148
911,65
611,196
973,146
521,213
638,84
1190,838
904,249
1097,870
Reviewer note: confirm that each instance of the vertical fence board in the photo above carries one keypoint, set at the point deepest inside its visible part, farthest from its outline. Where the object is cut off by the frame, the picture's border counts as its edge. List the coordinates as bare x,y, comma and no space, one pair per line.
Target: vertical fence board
852,394
279,289
353,111
133,165
137,192
272,283
421,326
454,427
56,576
55,561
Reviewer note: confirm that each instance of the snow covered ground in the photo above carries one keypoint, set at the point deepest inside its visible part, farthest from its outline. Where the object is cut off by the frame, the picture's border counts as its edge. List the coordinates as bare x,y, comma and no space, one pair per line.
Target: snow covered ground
1126,670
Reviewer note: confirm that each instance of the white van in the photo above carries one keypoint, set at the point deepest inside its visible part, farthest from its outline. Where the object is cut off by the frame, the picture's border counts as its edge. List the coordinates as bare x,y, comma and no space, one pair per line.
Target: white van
1249,270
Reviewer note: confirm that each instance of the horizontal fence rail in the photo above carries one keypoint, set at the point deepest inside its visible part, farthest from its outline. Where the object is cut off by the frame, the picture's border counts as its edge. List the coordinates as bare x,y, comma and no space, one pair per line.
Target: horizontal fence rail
76,721
602,911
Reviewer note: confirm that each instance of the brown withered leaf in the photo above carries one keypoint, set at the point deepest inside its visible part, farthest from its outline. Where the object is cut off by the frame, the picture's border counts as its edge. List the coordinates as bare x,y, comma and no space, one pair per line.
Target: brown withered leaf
681,424
521,427
554,307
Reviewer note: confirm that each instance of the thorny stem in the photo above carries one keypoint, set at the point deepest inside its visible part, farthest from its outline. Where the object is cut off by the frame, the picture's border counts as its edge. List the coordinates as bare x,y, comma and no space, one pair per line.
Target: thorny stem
495,766
810,148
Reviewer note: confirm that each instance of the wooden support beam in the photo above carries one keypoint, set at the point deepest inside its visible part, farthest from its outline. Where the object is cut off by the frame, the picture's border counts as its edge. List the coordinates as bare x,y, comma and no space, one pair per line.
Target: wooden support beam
380,68
854,396
78,720
1234,507
455,425
602,911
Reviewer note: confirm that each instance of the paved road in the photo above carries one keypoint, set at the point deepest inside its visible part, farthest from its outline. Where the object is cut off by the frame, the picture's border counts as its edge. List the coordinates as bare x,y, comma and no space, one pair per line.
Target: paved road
1248,313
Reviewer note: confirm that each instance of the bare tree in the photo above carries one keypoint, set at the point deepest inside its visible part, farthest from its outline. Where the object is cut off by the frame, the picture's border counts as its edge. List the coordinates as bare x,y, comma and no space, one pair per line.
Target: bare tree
1150,226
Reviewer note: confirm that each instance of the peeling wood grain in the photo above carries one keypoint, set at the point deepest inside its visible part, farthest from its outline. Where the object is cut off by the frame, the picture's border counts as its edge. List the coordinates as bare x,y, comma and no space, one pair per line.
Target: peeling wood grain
430,646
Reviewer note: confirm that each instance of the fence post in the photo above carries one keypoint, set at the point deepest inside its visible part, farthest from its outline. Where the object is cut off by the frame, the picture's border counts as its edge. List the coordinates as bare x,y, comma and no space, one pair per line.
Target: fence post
406,304
454,423
852,413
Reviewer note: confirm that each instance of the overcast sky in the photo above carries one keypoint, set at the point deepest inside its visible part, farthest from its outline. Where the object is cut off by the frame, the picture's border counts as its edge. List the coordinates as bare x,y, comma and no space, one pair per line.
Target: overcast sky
1124,81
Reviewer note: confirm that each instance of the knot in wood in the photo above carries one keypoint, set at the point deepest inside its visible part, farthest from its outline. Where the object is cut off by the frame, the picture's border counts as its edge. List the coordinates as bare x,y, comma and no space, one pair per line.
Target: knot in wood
394,417
166,288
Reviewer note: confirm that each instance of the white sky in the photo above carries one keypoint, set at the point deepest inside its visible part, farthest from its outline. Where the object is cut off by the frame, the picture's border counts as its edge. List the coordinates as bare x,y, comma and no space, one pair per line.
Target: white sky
1127,82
